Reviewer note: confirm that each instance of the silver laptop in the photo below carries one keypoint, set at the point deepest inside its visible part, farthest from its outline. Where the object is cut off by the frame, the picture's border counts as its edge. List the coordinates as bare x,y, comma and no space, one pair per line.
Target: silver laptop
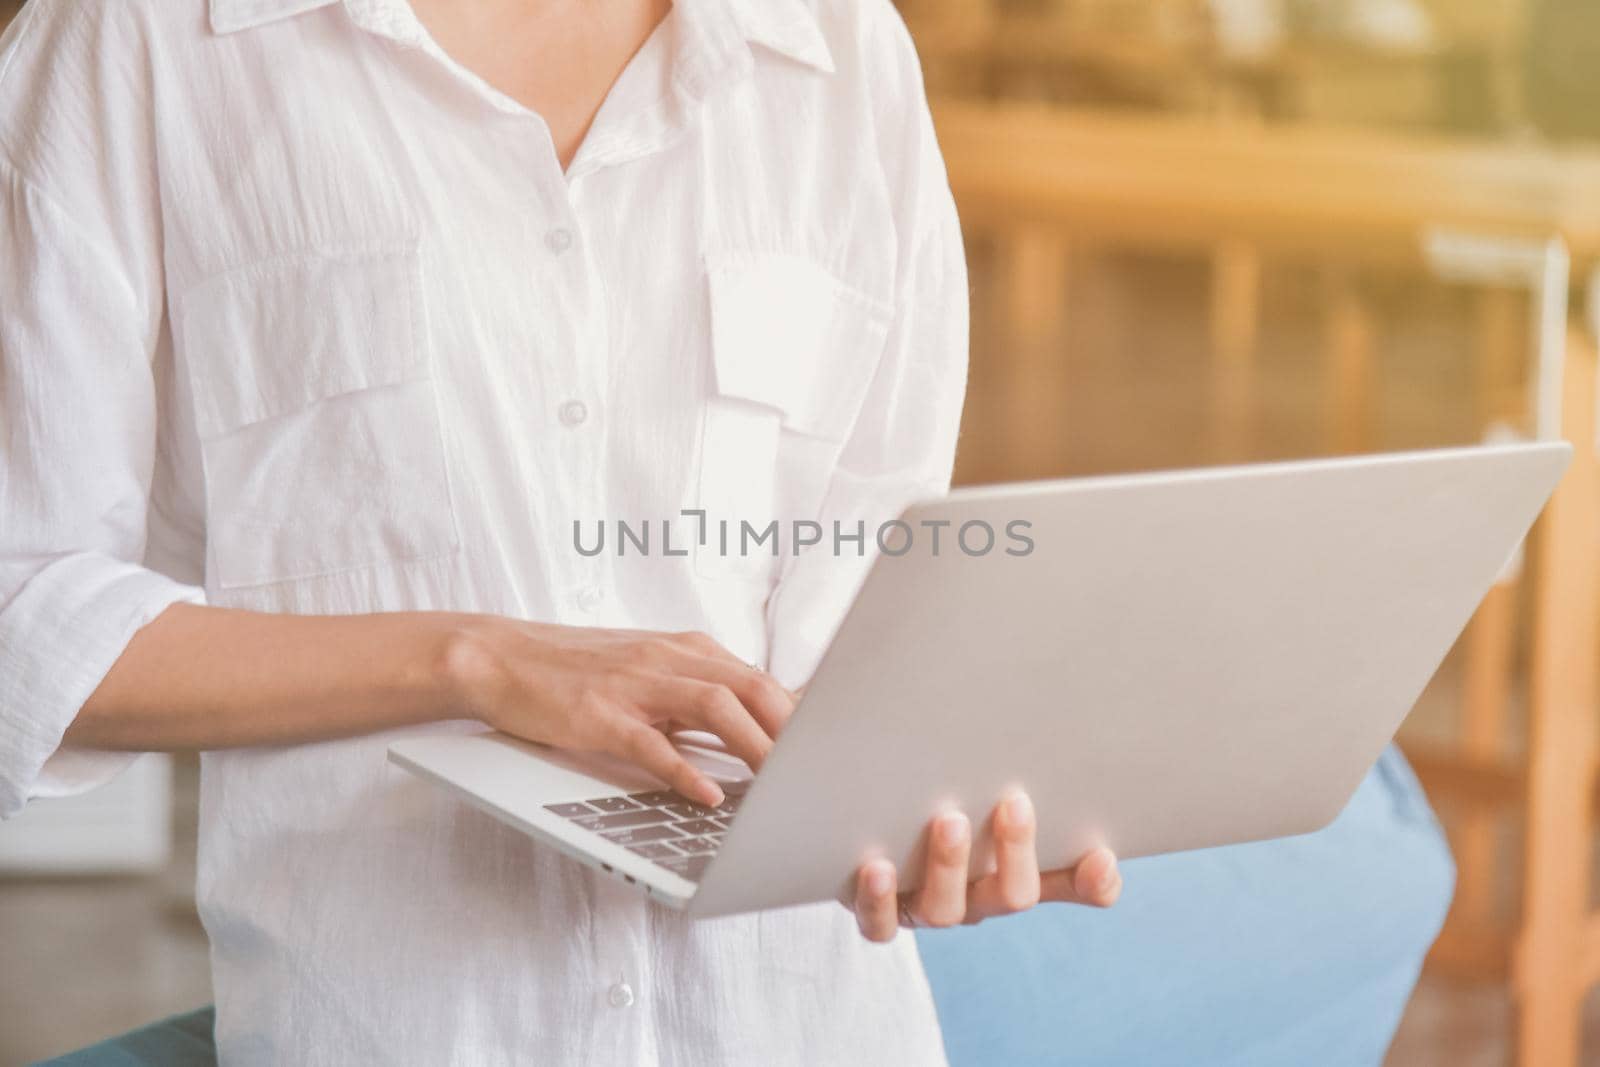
1179,661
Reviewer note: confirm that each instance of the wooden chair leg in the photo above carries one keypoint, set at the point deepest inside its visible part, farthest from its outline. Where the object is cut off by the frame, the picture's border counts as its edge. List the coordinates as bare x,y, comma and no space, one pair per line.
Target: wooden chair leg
1235,328
1491,639
1501,325
1033,422
1349,368
1489,646
1036,284
1548,968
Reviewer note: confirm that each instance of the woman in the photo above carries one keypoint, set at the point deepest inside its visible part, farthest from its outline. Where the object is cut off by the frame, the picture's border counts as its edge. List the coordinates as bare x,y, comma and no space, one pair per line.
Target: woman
323,323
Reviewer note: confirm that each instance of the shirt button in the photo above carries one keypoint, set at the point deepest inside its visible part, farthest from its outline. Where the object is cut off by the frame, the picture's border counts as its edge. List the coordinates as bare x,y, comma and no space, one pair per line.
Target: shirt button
574,413
590,598
558,240
620,995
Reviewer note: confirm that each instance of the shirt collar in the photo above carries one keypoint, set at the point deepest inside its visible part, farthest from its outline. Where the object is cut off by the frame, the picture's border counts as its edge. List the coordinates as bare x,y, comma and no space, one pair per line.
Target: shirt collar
787,27
227,16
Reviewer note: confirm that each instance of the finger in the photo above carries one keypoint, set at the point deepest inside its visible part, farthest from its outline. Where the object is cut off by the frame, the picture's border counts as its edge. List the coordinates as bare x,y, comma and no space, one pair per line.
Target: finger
646,747
1095,881
1014,886
766,698
703,644
877,906
769,703
712,707
942,900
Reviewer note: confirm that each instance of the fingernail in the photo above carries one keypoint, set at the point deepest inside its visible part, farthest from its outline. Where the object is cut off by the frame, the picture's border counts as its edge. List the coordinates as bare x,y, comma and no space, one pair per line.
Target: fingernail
1019,809
952,829
879,880
1110,879
711,794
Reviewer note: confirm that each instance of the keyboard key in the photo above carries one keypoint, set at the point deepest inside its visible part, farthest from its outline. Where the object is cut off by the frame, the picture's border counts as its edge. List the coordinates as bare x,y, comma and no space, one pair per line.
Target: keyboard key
658,799
655,850
569,811
696,844
721,824
621,820
697,826
686,810
729,806
691,867
639,834
613,804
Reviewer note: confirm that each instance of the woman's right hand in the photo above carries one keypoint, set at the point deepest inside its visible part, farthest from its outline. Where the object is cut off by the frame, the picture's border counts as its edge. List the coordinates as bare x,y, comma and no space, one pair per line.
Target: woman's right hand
618,692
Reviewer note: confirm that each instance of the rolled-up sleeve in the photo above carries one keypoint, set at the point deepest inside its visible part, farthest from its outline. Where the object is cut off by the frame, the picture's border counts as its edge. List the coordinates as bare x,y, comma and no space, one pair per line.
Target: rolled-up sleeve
902,447
77,442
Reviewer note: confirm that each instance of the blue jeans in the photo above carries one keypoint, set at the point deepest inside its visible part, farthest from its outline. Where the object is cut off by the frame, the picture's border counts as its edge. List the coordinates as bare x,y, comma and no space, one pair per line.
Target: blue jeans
1297,951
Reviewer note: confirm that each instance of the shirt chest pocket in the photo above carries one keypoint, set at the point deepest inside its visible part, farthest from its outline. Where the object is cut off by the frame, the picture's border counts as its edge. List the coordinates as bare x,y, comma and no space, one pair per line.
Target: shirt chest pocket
317,415
793,352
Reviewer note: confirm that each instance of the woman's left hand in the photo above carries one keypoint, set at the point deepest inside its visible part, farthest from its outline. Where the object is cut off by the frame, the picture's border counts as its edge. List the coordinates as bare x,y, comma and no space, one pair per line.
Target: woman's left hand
946,898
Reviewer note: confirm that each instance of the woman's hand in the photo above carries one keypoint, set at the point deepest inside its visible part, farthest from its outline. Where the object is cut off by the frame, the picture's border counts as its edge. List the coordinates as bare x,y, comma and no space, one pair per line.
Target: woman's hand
946,898
618,691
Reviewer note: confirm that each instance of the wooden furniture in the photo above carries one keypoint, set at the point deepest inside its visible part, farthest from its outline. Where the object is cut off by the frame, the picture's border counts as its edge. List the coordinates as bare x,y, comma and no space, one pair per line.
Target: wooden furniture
1516,222
1235,192
1176,55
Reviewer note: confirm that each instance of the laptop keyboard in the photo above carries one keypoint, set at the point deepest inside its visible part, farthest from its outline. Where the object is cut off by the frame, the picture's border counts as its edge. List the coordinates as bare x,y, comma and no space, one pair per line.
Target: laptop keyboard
661,826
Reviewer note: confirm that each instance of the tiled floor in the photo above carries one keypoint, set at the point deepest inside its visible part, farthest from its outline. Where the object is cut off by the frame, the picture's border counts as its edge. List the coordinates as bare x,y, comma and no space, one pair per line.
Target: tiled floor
84,960
1449,1024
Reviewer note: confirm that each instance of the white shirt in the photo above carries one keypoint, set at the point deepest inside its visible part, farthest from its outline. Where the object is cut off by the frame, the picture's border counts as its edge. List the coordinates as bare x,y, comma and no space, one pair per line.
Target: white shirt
298,315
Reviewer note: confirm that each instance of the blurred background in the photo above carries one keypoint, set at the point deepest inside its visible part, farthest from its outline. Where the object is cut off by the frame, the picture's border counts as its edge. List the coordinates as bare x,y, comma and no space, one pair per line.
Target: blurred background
1200,231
